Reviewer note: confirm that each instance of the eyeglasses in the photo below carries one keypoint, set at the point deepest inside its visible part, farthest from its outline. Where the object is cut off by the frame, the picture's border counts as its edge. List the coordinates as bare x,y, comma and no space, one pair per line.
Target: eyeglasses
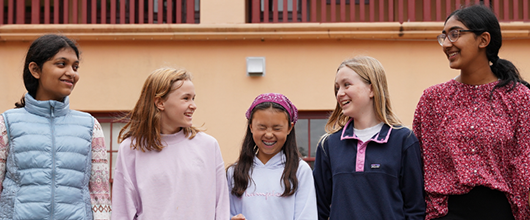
453,35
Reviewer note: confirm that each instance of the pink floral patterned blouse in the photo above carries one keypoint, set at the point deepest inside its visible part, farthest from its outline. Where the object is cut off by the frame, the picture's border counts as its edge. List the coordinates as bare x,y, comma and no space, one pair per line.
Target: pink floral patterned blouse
472,136
99,179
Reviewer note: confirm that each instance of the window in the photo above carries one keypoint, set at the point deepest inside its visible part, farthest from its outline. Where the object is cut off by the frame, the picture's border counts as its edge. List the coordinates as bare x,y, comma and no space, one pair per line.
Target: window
309,129
111,126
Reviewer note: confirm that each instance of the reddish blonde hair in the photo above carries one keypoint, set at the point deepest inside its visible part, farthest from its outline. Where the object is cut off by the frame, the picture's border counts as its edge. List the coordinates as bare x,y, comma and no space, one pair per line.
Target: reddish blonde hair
144,119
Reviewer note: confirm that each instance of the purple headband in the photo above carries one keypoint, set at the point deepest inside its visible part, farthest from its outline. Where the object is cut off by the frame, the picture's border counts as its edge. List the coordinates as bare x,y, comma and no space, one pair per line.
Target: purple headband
278,99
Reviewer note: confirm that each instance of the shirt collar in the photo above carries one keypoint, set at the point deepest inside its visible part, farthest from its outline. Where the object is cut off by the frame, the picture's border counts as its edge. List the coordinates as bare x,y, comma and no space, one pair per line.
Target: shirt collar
276,161
381,137
48,108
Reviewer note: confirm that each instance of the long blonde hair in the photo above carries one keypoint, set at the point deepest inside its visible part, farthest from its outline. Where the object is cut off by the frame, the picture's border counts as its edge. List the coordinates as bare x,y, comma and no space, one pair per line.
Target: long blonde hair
373,73
144,119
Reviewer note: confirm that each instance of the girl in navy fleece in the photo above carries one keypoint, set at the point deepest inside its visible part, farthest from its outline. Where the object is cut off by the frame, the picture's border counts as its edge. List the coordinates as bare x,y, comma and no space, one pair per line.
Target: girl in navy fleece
368,166
269,180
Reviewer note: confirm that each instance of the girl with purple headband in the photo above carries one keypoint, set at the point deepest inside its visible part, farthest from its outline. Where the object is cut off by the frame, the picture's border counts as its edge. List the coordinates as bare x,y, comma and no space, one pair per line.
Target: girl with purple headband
269,180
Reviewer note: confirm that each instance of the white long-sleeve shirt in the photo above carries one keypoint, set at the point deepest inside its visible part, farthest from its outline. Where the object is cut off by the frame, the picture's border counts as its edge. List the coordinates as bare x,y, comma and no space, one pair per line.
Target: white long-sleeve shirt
262,200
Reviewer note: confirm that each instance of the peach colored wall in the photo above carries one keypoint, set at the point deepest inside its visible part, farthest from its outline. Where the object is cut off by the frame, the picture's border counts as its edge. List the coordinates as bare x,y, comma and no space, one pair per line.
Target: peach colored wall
223,12
11,63
112,73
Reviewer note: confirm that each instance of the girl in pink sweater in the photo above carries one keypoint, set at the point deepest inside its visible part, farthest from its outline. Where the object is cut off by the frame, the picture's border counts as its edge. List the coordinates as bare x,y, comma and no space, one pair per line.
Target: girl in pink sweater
166,168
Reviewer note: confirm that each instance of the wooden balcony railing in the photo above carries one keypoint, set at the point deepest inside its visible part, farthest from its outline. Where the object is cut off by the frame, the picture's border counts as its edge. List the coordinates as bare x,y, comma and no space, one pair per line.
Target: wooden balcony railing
99,11
260,11
274,11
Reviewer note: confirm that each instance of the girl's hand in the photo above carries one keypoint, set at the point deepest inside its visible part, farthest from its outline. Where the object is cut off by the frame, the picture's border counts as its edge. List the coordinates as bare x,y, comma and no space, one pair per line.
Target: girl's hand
238,217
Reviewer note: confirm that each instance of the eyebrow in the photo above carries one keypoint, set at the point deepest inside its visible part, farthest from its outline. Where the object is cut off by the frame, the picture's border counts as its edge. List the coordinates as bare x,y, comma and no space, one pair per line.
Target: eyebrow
64,58
274,126
342,80
452,28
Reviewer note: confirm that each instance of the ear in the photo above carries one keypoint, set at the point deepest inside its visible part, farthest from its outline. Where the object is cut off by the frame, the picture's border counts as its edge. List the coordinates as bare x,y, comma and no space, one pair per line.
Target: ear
485,39
34,69
159,103
290,128
371,91
250,127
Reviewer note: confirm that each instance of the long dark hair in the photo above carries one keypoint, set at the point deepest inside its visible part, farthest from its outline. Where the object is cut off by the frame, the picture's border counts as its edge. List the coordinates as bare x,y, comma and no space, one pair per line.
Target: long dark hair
482,19
243,166
40,51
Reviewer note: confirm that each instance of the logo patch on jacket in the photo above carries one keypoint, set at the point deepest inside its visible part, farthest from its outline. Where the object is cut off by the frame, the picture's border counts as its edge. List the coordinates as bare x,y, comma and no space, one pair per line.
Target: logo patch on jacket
375,166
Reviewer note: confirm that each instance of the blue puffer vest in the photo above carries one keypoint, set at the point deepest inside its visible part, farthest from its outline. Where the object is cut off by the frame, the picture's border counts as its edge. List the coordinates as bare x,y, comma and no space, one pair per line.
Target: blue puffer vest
49,162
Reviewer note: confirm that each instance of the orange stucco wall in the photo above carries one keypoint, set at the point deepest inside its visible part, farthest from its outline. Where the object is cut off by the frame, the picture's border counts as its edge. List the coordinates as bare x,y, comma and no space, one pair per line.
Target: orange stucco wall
301,60
112,73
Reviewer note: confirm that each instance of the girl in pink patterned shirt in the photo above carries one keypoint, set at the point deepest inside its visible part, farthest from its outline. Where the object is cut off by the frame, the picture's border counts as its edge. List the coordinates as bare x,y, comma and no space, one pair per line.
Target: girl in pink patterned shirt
474,129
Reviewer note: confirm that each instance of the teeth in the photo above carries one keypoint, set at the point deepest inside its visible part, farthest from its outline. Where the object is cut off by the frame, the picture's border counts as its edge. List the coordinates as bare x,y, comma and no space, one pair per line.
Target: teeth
452,54
269,143
345,102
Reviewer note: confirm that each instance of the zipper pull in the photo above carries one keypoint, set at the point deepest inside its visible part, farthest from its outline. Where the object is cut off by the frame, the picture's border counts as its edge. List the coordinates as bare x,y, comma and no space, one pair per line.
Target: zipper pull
52,111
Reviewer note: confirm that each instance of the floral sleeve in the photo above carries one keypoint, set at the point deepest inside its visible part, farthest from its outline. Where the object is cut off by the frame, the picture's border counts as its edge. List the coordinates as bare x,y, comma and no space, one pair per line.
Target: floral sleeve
99,179
520,163
3,150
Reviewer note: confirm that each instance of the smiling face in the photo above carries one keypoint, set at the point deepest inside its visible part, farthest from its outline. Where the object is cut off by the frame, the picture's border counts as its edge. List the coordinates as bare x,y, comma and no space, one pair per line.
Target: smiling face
354,95
178,107
464,52
269,128
57,77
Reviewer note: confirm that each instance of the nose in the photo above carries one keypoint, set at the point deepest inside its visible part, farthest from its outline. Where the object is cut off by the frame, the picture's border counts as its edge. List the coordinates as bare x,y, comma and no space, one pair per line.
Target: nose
340,93
193,106
70,71
446,43
72,74
268,134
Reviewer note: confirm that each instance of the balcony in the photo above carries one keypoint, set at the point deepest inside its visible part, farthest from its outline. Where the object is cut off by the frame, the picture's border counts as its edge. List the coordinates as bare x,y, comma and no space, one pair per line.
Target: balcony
99,12
258,11
216,20
278,11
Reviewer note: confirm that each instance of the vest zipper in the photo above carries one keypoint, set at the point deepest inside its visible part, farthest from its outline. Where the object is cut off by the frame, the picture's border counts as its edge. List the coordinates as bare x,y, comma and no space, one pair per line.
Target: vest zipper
53,161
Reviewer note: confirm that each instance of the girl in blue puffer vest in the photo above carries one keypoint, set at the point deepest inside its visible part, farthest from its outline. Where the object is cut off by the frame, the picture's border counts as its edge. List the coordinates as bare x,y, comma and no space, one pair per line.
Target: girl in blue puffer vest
53,162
